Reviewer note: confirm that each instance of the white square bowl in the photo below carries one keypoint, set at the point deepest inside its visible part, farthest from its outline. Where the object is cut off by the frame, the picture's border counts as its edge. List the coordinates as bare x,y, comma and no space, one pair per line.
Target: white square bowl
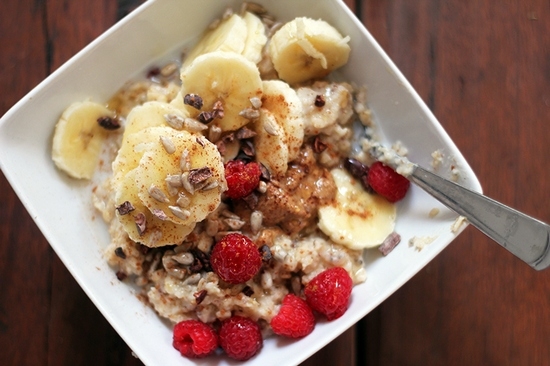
62,209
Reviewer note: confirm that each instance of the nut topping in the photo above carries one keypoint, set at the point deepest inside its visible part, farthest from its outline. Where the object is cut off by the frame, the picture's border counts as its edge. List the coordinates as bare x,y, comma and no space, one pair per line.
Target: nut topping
109,123
250,113
217,110
141,223
193,100
125,208
159,214
206,117
197,176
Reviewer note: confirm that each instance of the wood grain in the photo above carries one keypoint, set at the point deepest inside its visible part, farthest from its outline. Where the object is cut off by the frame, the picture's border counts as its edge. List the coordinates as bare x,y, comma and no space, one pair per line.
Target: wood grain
483,69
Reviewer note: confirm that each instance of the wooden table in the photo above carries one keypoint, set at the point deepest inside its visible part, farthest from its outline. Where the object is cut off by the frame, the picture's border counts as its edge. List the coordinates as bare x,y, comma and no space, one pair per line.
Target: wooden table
483,68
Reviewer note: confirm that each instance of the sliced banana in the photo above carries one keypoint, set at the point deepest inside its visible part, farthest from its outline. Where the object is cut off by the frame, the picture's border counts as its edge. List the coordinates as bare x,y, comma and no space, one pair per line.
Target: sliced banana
357,219
271,143
181,177
151,114
256,37
224,77
78,138
283,102
229,35
131,150
177,102
140,224
305,49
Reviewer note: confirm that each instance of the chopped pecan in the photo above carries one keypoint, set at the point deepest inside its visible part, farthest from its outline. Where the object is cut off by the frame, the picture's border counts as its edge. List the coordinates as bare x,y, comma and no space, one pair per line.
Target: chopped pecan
197,176
125,208
109,123
193,100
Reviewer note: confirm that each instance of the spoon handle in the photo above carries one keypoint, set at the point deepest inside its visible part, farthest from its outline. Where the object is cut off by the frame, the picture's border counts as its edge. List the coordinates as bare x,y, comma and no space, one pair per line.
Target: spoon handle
525,237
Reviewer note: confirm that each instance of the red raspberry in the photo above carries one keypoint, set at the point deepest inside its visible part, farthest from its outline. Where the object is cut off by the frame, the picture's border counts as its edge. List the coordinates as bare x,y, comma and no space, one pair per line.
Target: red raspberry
240,337
241,178
295,318
329,292
235,258
194,339
387,183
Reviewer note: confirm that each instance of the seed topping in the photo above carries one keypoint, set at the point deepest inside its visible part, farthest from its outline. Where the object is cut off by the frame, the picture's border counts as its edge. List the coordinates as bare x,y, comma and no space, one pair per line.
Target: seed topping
250,113
192,125
168,144
270,128
157,194
256,102
183,201
174,121
179,212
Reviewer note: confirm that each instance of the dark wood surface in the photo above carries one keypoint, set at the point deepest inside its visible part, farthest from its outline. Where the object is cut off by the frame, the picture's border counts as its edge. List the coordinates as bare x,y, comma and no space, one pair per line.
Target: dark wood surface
482,67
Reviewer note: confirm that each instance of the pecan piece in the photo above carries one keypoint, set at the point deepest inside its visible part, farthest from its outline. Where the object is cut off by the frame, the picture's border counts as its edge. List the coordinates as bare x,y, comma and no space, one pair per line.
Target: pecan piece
141,223
197,176
193,100
125,208
109,123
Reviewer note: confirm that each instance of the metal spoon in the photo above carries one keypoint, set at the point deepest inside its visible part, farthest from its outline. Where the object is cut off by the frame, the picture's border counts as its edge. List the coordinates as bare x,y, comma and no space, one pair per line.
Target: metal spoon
524,236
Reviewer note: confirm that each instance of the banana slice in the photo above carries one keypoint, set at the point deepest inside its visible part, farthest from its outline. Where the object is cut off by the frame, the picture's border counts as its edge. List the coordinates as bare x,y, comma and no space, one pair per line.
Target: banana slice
140,224
78,138
181,177
150,114
283,102
224,77
256,37
357,219
177,102
131,150
305,49
229,35
271,143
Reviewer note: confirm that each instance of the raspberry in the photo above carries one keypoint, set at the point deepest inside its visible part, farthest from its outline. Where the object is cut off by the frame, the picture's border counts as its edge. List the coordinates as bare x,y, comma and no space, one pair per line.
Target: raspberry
329,292
194,339
235,258
387,183
295,318
241,178
240,337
